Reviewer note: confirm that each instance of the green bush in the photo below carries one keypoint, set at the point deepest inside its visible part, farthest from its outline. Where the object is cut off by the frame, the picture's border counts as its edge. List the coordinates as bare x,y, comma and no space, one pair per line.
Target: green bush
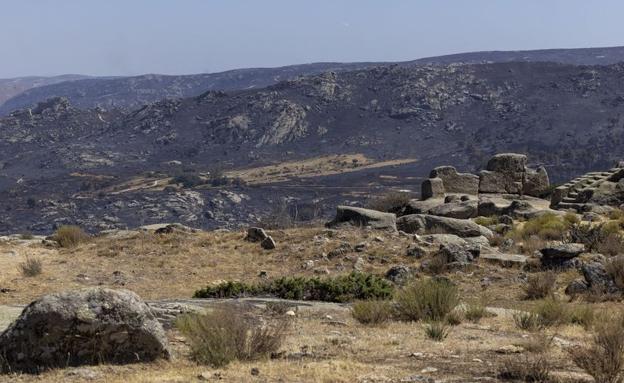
428,299
527,321
343,288
486,221
547,226
475,312
227,334
70,236
527,368
552,312
583,315
372,312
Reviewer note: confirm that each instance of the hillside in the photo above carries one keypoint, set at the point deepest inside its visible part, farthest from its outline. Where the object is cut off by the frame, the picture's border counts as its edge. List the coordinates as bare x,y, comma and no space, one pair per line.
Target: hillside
566,117
131,92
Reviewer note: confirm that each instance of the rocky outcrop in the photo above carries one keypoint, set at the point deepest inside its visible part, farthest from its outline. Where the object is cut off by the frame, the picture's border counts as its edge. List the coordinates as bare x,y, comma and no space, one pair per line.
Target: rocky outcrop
83,327
361,217
454,182
558,255
428,224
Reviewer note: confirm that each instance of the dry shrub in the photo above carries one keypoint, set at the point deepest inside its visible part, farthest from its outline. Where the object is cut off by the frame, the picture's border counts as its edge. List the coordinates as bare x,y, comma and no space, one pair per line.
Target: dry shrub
528,321
454,318
538,343
227,334
391,202
31,267
612,244
532,244
372,312
540,285
70,236
528,368
583,315
437,265
475,312
427,299
603,359
615,268
552,312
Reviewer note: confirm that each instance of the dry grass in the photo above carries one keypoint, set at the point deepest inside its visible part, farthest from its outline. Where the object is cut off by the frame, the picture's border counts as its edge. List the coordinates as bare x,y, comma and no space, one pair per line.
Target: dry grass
427,299
31,267
70,236
615,269
540,285
437,331
527,368
372,312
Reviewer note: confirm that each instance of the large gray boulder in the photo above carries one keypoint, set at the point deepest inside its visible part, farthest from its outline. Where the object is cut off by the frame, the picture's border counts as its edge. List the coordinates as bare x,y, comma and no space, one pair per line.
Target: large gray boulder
461,210
536,182
431,224
498,182
357,216
82,327
454,182
507,163
432,188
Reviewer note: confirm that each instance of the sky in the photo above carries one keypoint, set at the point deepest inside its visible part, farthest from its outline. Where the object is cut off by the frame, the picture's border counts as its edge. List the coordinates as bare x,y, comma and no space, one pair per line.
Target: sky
130,37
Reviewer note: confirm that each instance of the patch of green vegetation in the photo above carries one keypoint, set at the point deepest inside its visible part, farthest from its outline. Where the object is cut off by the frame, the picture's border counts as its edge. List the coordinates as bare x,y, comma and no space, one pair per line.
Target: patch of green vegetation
547,226
344,288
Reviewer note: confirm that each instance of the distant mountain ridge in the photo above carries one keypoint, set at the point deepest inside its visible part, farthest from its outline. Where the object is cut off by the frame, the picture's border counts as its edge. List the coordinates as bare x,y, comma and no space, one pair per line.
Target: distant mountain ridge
133,92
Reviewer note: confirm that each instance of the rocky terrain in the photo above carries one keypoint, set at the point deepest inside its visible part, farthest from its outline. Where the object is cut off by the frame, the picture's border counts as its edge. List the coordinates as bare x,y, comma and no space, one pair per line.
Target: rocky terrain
480,279
132,92
110,168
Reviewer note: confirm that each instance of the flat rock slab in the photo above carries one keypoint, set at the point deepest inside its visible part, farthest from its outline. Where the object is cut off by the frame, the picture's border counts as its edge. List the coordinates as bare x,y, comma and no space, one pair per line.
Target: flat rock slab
563,251
503,258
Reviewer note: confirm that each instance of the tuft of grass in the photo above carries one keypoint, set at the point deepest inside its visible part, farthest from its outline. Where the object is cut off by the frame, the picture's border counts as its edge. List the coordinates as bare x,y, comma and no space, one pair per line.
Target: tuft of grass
436,330
70,236
454,318
547,226
540,285
603,359
475,312
372,312
529,368
428,299
31,267
227,334
611,245
538,343
344,288
528,321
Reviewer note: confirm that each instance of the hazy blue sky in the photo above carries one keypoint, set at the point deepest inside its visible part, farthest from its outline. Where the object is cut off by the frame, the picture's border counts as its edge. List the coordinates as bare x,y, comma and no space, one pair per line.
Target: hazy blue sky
122,37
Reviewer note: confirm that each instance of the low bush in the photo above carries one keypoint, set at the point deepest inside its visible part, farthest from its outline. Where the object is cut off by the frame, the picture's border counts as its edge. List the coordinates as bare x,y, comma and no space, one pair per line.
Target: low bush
611,245
343,288
70,236
603,359
31,267
454,318
547,226
540,285
528,368
227,334
615,268
475,312
583,315
552,312
593,236
428,299
372,312
437,331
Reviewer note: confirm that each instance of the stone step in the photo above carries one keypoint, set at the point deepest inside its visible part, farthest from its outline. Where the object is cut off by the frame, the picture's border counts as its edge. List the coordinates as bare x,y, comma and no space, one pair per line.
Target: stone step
579,207
569,200
573,194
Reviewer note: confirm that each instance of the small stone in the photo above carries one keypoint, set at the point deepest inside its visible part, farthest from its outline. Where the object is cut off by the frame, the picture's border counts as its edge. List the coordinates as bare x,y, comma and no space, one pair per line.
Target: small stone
428,370
290,313
378,239
477,360
255,371
417,355
268,243
329,317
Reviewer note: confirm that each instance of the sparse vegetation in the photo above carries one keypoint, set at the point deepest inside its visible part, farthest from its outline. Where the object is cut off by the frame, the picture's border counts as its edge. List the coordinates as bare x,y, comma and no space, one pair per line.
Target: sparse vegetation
428,299
372,312
70,236
540,285
31,267
611,245
615,268
528,321
474,312
227,334
603,359
547,226
528,368
343,288
583,315
552,312
486,221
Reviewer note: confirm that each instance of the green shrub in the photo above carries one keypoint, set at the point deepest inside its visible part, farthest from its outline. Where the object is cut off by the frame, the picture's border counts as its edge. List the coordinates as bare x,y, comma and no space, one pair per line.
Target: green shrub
437,331
540,285
343,288
372,312
227,334
428,299
475,312
603,359
188,180
70,236
31,267
486,221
